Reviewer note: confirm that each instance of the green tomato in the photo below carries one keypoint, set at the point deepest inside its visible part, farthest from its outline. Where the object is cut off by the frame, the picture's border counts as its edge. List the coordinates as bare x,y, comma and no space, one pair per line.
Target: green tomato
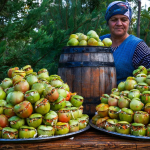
44,131
26,132
138,129
77,100
42,106
34,120
9,133
16,122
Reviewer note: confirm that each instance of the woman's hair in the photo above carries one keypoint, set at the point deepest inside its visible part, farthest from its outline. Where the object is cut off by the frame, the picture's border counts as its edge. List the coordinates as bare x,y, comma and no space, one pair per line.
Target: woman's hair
118,7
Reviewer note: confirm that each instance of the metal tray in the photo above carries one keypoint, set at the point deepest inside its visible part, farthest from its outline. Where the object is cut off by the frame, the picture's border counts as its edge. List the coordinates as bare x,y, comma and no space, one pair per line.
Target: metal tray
128,136
42,139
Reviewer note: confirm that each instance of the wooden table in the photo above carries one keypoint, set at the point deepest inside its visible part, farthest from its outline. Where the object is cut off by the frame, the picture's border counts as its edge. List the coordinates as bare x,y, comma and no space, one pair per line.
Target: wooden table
91,139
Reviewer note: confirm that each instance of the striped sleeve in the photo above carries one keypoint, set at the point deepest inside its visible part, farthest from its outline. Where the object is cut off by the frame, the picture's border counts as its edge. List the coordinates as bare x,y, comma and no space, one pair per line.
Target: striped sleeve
141,55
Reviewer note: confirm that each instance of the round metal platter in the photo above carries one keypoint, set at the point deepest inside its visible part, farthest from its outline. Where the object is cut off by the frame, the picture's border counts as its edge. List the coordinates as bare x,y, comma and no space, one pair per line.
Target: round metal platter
42,139
128,136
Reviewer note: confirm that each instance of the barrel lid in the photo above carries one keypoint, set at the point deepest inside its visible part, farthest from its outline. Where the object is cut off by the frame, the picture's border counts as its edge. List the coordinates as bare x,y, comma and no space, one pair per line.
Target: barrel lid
86,49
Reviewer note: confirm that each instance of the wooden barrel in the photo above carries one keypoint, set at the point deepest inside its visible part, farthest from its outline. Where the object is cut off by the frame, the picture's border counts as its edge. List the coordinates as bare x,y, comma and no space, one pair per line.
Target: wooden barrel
89,71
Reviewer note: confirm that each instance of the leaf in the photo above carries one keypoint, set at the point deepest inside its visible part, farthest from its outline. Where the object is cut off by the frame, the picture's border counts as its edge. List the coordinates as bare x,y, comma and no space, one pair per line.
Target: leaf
147,30
146,16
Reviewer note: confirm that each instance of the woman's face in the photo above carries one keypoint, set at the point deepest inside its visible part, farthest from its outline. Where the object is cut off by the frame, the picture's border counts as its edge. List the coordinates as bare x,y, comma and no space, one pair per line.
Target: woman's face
119,25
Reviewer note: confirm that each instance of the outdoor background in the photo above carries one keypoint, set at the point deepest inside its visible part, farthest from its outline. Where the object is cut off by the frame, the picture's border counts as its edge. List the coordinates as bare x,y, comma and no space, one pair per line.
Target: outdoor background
34,32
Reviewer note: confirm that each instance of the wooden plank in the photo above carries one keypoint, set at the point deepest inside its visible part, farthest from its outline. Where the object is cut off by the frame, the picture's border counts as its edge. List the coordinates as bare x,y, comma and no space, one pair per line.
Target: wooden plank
114,77
95,93
85,86
107,75
78,57
77,74
95,82
62,74
89,108
102,81
79,145
63,58
143,145
86,75
112,72
69,77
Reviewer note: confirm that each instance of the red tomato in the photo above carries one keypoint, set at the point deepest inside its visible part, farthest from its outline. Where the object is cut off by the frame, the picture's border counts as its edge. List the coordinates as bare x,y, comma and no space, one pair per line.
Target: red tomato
68,96
3,121
64,117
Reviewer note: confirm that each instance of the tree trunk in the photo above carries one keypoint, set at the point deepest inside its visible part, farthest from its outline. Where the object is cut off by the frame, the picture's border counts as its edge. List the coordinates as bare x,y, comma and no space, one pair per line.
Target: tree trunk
138,22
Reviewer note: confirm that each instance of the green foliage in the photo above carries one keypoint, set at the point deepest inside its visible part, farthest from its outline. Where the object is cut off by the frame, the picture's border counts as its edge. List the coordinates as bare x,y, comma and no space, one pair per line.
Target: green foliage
35,34
145,26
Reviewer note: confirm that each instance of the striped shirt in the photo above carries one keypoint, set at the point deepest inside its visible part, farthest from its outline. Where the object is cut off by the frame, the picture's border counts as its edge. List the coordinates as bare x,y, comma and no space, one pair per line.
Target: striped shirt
141,55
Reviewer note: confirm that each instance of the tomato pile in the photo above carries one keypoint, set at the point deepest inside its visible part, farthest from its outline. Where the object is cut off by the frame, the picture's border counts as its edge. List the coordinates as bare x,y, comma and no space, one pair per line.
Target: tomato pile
127,109
89,39
36,104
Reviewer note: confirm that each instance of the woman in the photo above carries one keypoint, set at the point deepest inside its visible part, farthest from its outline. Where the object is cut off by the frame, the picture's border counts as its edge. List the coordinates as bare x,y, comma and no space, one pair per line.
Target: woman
129,51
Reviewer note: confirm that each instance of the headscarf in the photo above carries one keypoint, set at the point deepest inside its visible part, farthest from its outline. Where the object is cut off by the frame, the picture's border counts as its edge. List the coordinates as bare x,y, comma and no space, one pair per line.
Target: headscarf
118,7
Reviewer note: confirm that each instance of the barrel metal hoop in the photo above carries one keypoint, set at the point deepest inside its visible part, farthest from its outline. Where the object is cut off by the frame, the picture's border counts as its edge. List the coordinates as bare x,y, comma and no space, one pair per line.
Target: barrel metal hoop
86,49
86,64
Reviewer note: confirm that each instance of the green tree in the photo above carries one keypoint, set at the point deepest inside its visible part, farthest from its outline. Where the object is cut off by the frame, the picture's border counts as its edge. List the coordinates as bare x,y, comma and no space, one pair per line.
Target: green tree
17,23
33,33
145,26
